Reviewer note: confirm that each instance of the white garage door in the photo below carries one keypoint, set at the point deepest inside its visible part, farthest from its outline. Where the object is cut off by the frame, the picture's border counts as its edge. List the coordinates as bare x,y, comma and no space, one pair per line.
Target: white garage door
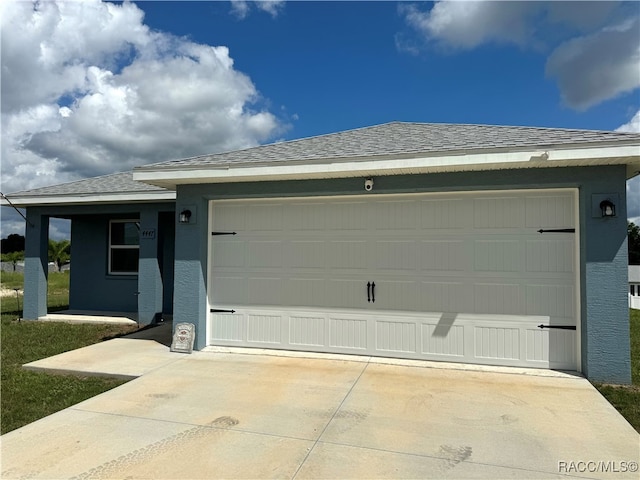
454,277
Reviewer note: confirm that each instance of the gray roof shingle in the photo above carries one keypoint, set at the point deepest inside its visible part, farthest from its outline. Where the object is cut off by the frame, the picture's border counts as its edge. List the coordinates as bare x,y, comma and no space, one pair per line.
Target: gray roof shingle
115,183
390,139
404,139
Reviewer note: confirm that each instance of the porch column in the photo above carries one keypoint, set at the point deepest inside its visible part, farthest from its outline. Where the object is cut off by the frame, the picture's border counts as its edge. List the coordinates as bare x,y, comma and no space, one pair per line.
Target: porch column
190,286
36,263
605,308
149,276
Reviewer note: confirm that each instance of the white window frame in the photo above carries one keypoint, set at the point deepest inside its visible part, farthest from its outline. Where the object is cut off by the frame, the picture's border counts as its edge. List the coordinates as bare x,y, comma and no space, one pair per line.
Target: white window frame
122,247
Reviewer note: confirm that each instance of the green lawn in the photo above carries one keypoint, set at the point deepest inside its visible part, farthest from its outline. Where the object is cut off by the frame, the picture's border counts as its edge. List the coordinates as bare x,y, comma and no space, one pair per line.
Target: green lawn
27,396
626,398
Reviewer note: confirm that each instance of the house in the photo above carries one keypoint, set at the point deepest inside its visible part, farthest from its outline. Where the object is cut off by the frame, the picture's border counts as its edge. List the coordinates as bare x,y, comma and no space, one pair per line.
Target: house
634,286
478,244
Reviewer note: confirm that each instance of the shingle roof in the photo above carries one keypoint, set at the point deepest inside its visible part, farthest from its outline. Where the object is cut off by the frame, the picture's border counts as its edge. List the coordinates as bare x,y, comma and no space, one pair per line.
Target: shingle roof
404,139
107,184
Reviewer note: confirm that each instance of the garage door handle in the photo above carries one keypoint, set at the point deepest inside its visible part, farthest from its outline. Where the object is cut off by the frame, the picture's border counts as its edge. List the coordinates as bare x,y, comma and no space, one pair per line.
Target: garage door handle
373,291
368,291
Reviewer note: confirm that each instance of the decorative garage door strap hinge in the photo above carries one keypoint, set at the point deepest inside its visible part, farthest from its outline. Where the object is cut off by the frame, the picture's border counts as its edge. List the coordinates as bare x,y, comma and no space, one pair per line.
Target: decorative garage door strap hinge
561,327
558,230
221,310
223,233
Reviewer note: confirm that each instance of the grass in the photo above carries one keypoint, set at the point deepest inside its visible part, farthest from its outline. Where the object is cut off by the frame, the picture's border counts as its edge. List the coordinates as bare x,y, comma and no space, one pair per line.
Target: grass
27,396
626,398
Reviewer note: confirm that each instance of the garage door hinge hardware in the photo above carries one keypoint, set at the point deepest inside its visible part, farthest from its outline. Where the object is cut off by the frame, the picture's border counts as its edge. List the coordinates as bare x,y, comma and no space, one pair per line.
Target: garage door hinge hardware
558,230
223,233
561,327
219,310
371,292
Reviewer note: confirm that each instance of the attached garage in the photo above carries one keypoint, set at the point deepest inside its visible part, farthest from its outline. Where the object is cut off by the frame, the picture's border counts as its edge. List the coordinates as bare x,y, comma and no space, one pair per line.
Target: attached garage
477,244
472,277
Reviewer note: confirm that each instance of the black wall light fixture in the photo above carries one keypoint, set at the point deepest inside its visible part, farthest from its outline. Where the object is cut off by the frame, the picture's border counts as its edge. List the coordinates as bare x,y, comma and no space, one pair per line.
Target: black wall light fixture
608,208
185,216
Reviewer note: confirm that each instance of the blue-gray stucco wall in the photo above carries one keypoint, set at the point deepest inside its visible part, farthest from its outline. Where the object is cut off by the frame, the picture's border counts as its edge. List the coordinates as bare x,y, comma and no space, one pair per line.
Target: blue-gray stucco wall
604,316
91,288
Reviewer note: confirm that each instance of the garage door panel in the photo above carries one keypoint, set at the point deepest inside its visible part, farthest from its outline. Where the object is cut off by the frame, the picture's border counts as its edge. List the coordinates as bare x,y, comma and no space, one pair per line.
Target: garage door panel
265,291
498,255
348,216
445,214
227,329
348,332
265,218
392,255
228,254
499,298
442,255
552,256
346,293
264,328
552,300
307,330
231,289
497,342
550,211
443,339
562,349
306,217
398,337
459,277
306,291
401,215
307,254
264,254
396,294
440,295
498,213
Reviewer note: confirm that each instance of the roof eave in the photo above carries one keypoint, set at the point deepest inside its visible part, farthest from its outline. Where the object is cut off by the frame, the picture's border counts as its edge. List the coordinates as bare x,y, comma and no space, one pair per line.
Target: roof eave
89,199
340,168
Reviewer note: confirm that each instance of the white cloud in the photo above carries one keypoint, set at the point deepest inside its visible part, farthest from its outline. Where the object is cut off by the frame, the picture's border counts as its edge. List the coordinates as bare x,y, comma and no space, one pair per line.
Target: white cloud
632,125
467,25
241,8
89,89
596,53
597,67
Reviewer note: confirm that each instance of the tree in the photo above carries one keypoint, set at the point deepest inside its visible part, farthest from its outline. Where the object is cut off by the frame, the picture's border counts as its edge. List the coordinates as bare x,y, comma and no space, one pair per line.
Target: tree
60,252
633,232
13,258
13,243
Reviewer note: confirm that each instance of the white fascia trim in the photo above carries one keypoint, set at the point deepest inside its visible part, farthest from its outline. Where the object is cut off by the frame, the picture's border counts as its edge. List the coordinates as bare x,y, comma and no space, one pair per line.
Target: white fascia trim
281,171
91,199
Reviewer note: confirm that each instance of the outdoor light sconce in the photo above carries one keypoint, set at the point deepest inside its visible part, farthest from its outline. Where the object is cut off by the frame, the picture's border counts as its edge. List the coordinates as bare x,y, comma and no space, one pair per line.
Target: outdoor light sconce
185,216
608,208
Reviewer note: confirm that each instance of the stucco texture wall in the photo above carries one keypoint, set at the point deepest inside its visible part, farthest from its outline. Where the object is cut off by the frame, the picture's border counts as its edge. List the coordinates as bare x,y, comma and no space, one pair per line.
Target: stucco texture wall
604,316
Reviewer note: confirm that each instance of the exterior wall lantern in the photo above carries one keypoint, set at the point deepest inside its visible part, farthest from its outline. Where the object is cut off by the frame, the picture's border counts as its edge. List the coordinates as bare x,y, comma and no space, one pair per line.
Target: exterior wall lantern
185,216
608,208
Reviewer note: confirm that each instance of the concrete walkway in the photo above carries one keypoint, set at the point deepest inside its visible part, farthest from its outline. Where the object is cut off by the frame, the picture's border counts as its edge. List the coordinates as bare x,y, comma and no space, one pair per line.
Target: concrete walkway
232,415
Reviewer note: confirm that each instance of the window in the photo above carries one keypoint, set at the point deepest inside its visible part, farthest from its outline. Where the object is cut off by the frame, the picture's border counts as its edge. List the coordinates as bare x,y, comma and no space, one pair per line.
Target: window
124,247
633,289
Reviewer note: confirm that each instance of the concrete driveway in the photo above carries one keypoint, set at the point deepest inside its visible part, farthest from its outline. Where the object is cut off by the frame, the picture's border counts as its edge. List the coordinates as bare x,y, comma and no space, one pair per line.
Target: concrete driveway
232,415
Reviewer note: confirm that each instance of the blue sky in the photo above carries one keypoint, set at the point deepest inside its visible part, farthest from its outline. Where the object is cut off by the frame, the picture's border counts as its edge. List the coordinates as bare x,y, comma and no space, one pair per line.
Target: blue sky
91,88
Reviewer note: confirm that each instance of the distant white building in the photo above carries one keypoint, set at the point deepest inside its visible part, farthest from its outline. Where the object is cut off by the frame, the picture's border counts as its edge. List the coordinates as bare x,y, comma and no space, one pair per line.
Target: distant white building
634,286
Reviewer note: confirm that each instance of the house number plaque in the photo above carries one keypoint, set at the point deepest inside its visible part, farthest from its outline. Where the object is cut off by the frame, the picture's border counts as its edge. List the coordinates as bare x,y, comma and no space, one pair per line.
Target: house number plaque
183,337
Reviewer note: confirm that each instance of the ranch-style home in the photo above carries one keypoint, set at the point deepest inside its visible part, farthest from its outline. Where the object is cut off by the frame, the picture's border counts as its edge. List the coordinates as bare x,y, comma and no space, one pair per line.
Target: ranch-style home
491,245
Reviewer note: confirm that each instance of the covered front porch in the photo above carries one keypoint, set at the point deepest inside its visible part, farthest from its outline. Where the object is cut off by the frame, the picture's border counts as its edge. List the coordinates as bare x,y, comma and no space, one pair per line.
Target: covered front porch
122,263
